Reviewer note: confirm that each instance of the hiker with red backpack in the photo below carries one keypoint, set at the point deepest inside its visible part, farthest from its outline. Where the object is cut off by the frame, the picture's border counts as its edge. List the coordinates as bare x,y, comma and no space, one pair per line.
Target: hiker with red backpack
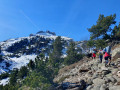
107,55
94,54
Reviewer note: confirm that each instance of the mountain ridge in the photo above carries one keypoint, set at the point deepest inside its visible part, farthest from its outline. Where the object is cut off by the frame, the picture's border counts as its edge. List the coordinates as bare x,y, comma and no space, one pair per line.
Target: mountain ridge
21,50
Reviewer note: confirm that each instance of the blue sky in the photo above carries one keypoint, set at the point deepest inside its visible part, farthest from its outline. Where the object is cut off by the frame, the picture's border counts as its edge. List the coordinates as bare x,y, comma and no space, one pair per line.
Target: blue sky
71,18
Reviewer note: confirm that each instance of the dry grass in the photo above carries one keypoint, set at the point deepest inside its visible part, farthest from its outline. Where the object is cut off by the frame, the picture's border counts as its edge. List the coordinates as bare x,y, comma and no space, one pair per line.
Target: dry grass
117,54
24,88
115,46
68,68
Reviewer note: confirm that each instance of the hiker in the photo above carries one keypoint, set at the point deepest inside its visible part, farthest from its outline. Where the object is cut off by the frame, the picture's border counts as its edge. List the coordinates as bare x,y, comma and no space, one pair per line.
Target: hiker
107,55
89,55
100,55
109,61
107,58
93,55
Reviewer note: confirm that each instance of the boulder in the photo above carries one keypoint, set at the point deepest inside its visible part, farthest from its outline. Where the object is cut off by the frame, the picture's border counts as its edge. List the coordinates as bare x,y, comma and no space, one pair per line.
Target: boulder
88,75
95,68
118,74
99,71
114,88
116,55
110,79
109,75
114,71
95,75
89,87
89,81
103,87
104,68
117,78
76,88
118,83
105,72
107,80
83,70
113,80
96,87
98,81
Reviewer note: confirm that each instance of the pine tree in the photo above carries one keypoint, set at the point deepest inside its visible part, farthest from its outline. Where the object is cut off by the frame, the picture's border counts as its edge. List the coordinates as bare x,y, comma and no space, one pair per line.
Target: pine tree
31,64
116,33
23,72
13,77
40,63
71,54
55,56
103,26
91,43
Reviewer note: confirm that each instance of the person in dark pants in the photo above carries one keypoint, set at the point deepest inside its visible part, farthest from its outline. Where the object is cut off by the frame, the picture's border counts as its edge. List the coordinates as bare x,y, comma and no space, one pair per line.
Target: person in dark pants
100,55
107,58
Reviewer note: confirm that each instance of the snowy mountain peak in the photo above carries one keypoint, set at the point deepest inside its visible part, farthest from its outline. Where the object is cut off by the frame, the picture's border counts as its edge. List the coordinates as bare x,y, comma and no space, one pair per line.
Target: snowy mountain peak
46,33
17,52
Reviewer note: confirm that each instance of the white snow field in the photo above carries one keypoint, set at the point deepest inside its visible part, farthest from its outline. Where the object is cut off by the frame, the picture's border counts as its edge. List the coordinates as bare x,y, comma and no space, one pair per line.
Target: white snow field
23,60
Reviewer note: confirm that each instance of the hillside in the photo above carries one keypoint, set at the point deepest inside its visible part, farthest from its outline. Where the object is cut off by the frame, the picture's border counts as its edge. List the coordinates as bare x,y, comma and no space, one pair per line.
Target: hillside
90,74
86,74
18,52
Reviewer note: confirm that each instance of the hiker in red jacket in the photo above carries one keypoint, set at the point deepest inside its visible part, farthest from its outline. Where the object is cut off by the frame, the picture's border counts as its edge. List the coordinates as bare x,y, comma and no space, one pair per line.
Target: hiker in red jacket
93,56
107,58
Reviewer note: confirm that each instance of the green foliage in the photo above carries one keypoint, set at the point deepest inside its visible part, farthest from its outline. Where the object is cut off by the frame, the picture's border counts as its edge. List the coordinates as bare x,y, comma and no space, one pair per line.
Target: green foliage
100,43
91,43
55,55
9,87
13,77
72,55
4,75
40,63
103,26
116,33
31,65
42,70
36,80
23,72
57,47
1,58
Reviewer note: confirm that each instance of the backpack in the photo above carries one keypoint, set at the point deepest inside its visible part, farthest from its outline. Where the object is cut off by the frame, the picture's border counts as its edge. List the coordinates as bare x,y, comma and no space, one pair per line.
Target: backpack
107,49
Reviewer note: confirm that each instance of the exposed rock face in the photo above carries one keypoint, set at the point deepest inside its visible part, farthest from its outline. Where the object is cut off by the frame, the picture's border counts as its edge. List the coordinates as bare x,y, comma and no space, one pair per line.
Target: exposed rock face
95,75
98,81
116,52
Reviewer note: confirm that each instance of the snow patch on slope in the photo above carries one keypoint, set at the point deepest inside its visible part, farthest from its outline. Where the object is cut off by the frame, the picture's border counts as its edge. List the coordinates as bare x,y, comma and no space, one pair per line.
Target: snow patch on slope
16,62
21,61
4,81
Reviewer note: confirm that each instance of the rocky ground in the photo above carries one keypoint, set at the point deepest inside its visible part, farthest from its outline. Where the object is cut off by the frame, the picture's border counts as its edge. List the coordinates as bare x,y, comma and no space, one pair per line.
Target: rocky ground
90,75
